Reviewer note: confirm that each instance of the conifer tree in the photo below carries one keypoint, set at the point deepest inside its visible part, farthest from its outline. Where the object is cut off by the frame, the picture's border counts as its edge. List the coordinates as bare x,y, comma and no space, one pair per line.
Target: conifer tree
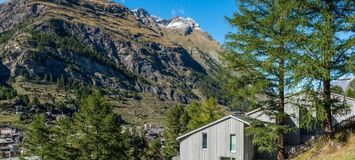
203,113
338,90
153,151
62,81
260,58
326,49
38,142
95,132
135,144
35,101
99,129
176,124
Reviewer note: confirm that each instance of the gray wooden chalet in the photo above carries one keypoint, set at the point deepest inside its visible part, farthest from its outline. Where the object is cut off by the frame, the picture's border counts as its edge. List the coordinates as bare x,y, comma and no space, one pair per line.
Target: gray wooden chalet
225,139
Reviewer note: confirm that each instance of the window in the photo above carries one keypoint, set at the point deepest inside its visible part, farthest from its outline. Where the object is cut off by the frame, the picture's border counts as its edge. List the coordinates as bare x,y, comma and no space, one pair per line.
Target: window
233,143
204,140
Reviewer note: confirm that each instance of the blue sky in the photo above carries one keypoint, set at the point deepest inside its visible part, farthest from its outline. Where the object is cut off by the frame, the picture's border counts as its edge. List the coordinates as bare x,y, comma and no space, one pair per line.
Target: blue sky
210,14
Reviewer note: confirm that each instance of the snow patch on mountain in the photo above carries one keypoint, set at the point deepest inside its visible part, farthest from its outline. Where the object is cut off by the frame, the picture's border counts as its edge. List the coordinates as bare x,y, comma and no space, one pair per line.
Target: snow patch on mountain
174,23
182,23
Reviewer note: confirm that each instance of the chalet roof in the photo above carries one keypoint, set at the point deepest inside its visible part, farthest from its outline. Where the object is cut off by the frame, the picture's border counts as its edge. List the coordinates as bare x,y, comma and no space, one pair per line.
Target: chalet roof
333,94
253,111
240,119
342,96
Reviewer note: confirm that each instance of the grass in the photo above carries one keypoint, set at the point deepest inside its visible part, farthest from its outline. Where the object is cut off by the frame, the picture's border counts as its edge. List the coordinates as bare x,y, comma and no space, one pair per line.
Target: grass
8,118
331,151
148,109
104,20
45,93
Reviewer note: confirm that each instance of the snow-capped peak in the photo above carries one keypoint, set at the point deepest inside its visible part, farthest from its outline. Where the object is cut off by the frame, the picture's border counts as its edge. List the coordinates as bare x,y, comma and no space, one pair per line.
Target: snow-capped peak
182,23
175,23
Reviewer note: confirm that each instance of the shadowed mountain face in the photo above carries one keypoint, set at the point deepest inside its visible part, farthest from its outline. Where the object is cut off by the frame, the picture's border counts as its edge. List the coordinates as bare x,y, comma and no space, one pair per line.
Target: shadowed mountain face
105,44
4,73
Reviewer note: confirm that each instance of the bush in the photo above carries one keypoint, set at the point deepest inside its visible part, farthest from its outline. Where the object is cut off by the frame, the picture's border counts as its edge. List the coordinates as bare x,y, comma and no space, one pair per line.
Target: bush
24,99
7,93
4,37
342,137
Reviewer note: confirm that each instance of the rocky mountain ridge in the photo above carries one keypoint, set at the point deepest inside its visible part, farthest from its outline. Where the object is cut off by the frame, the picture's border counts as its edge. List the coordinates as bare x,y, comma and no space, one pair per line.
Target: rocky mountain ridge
188,24
103,43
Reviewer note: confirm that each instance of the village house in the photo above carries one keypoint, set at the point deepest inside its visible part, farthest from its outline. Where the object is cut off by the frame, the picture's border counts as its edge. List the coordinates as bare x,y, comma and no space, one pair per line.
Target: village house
10,138
5,130
225,139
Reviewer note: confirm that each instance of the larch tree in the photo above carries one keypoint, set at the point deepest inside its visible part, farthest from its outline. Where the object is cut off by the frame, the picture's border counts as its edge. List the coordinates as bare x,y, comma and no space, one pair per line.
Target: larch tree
326,50
260,57
202,113
176,124
99,133
39,141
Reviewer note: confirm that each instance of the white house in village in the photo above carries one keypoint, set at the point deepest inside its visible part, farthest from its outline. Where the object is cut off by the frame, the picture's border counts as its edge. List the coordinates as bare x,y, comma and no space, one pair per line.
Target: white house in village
225,139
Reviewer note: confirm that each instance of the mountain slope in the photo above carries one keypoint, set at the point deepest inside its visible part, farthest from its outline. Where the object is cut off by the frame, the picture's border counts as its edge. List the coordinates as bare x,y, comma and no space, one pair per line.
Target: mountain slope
104,44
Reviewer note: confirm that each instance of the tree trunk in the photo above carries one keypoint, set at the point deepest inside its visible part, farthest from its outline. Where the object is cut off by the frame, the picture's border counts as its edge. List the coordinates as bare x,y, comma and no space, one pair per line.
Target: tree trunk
280,118
280,147
328,128
329,52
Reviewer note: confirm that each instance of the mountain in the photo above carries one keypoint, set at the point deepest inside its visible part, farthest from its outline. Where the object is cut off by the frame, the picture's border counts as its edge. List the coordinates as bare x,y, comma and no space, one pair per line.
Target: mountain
104,44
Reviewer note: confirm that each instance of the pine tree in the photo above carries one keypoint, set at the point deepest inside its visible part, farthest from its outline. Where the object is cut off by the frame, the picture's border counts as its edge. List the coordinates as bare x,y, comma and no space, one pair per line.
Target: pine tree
176,124
326,51
35,101
24,99
203,113
338,90
153,151
37,79
260,54
62,81
38,140
135,144
99,129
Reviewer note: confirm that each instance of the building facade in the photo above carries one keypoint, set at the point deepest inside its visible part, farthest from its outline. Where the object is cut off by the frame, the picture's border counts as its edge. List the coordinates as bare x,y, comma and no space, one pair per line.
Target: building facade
224,139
